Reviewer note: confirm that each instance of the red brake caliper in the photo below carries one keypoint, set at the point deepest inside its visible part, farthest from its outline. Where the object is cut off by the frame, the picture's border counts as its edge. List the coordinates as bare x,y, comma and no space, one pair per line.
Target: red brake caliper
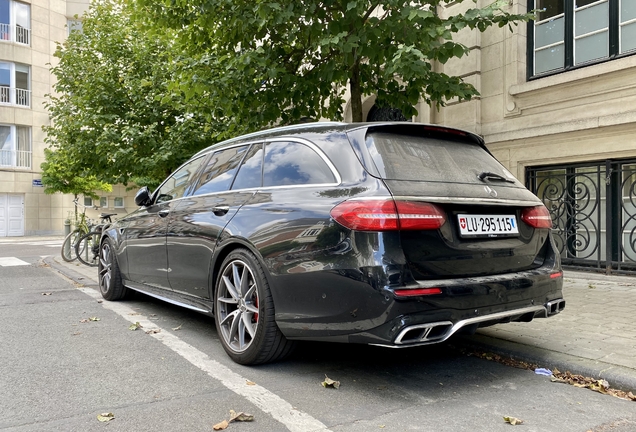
255,317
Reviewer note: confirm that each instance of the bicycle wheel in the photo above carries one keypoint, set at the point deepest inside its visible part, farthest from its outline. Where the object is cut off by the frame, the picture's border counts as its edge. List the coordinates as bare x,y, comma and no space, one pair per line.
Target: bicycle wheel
68,247
87,249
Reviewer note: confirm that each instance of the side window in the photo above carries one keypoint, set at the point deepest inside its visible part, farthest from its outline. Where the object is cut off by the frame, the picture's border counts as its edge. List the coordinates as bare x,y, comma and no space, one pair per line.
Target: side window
219,172
251,170
291,163
176,185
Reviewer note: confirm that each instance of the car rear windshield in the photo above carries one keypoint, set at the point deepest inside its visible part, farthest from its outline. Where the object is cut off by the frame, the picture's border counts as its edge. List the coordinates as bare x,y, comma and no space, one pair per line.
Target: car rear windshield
431,159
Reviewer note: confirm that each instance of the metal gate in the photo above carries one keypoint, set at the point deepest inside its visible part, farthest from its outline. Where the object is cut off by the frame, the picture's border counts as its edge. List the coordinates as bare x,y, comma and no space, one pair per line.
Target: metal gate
593,208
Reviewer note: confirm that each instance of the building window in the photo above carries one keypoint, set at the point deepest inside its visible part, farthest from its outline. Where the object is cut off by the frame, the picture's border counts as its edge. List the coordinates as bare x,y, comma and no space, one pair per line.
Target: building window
103,202
15,146
119,202
73,25
15,22
88,201
573,33
14,84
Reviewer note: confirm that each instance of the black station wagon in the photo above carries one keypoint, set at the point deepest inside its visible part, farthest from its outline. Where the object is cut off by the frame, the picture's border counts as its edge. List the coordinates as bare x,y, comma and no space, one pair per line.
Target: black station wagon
390,234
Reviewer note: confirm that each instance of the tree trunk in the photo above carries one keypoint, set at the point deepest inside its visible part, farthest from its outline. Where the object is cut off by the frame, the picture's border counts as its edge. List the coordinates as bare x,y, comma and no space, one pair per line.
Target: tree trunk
356,95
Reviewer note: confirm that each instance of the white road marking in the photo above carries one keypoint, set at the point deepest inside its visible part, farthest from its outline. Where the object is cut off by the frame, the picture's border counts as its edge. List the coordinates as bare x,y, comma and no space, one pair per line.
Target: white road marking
12,261
46,243
278,408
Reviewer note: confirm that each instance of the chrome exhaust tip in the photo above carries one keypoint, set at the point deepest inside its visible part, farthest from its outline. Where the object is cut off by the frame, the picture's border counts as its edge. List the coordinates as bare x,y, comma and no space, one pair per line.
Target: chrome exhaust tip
554,307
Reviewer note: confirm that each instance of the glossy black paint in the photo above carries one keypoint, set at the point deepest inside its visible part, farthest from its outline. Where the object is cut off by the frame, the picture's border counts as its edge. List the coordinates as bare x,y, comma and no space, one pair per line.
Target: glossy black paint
328,282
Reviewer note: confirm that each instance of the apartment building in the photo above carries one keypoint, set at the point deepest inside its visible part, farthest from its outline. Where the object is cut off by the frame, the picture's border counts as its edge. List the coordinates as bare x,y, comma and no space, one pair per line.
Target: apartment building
29,30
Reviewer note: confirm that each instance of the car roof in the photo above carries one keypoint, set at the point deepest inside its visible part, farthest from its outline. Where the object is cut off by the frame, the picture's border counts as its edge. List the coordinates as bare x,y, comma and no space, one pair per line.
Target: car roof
324,127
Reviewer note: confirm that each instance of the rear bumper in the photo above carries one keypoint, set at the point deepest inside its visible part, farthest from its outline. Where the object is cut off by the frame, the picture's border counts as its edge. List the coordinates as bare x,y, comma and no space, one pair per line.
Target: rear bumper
430,333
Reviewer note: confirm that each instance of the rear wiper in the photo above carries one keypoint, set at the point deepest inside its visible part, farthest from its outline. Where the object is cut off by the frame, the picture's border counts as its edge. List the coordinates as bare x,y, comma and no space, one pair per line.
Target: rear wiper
493,176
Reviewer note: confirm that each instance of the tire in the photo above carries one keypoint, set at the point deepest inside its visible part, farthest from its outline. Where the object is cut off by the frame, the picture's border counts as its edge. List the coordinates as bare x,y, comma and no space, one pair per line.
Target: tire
110,283
68,247
87,249
244,317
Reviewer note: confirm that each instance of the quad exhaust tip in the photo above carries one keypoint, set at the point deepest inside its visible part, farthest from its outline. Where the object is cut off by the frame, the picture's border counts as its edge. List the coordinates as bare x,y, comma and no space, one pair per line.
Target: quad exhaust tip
554,307
430,333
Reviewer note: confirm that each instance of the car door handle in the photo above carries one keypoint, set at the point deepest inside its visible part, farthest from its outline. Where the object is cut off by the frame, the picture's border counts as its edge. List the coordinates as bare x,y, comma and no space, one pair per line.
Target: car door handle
163,213
220,210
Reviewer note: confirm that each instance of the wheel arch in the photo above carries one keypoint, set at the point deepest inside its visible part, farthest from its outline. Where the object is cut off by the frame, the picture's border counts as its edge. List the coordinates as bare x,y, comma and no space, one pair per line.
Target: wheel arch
225,248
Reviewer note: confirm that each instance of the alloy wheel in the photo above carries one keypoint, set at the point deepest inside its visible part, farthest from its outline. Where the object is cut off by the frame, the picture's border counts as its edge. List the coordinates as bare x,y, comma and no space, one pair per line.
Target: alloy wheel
237,305
105,267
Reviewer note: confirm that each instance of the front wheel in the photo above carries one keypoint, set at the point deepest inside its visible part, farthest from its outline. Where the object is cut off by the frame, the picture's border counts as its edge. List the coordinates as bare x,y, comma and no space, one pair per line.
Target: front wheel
87,249
110,283
244,312
68,246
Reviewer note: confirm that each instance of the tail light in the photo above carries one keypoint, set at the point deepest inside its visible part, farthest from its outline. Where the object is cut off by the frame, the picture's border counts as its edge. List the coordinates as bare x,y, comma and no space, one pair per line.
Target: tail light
537,217
388,215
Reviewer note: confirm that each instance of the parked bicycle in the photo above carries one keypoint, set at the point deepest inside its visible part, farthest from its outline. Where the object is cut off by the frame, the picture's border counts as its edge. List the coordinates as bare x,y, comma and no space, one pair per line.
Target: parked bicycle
82,227
87,246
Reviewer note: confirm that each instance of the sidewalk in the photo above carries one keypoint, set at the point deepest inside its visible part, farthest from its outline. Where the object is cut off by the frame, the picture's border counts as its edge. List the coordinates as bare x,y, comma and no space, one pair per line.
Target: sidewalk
595,335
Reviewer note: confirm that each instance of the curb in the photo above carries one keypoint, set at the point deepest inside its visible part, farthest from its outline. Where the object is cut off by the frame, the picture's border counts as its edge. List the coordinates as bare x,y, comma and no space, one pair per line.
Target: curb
619,377
67,270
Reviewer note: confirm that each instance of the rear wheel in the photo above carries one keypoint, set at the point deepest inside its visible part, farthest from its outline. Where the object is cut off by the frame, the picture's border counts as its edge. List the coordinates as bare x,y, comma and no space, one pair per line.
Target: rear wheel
110,283
87,249
244,312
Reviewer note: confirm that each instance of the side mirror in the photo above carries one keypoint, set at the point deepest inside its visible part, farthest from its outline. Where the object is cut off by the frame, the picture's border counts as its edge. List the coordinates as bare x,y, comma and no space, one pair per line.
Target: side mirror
142,198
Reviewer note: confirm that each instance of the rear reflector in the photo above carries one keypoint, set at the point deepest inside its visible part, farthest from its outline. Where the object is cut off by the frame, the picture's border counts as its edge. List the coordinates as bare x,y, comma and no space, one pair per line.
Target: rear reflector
556,275
537,217
388,215
417,292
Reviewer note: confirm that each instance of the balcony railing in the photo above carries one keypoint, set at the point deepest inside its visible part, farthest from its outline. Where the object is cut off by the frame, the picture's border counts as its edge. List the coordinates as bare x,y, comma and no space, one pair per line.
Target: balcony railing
15,96
12,33
15,158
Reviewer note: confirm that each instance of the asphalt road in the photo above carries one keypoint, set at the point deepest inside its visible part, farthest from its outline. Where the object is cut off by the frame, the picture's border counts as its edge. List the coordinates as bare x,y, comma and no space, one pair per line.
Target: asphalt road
59,370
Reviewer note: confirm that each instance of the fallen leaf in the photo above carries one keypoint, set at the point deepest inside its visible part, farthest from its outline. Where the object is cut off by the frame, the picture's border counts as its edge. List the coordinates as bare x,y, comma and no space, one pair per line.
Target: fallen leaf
240,416
177,328
135,326
381,426
250,383
328,382
601,386
47,293
105,417
220,426
153,331
84,320
94,319
513,420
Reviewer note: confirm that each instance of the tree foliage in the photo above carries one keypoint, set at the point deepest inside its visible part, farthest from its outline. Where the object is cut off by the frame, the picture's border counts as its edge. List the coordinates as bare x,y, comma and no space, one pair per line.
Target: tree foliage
114,118
58,175
266,61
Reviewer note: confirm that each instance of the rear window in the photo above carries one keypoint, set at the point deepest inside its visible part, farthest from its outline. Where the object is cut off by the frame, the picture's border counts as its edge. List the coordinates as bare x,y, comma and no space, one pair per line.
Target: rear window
405,157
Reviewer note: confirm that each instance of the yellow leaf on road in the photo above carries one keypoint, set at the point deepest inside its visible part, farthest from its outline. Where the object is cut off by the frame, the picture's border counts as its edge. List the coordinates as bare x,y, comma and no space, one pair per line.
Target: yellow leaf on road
105,417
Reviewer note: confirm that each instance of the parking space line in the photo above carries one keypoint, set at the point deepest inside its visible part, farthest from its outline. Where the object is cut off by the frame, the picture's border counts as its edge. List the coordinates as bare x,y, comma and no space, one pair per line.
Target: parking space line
12,261
278,408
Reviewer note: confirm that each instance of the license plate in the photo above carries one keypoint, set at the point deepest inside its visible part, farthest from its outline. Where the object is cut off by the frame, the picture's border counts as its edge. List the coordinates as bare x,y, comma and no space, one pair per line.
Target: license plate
487,225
